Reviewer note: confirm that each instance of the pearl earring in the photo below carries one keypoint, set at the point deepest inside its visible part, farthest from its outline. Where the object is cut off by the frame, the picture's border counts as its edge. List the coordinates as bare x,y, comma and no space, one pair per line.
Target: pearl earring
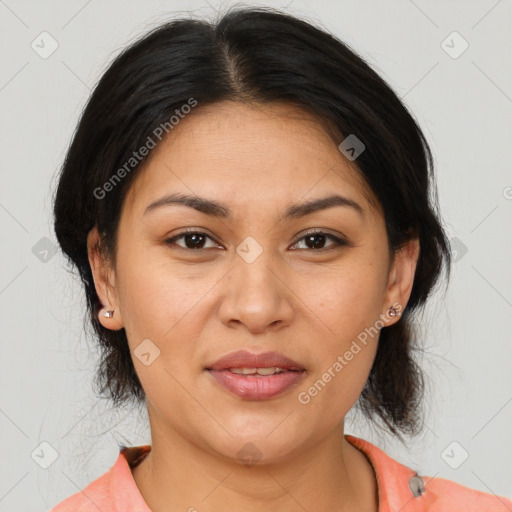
108,314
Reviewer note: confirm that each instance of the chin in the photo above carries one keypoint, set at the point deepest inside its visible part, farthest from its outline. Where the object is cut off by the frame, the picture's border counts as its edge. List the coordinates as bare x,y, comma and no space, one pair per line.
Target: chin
257,449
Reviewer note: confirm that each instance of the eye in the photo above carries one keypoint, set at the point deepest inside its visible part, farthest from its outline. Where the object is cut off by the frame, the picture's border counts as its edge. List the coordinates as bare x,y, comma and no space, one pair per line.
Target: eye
315,240
193,240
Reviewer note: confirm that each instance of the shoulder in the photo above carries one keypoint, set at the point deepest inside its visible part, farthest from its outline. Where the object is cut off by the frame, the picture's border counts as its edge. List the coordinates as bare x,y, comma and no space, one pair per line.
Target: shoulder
94,496
114,490
402,488
443,494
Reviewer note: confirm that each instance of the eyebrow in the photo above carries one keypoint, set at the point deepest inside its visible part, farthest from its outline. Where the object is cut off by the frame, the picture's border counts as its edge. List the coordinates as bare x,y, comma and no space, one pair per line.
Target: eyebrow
294,211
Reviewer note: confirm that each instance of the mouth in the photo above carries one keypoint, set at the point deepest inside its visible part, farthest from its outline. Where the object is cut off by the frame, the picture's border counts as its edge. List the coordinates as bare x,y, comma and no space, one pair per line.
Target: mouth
247,363
259,372
256,376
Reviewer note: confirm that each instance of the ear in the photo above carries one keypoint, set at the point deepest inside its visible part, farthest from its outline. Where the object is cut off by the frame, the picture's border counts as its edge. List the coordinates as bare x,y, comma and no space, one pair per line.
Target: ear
104,282
401,278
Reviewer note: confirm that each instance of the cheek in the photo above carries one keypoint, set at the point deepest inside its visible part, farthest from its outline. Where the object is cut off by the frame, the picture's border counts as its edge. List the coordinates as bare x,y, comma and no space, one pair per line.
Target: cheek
353,297
156,311
349,308
147,288
338,379
160,303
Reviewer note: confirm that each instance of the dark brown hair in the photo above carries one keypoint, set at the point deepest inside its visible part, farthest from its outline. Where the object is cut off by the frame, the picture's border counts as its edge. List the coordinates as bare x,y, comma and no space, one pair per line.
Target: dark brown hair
264,55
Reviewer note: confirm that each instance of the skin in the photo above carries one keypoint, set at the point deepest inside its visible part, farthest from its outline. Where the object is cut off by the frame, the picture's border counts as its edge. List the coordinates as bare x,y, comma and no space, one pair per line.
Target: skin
197,306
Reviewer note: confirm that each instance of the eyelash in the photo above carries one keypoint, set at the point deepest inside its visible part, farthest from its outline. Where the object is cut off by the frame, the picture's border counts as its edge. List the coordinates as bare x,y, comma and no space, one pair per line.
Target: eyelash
338,242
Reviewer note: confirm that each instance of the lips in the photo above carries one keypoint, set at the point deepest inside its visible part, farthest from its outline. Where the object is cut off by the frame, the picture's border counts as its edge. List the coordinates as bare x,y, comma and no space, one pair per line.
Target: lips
256,387
246,359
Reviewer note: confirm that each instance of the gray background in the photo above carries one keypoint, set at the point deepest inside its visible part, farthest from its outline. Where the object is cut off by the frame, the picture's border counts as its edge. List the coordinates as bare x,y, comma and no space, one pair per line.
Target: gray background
464,105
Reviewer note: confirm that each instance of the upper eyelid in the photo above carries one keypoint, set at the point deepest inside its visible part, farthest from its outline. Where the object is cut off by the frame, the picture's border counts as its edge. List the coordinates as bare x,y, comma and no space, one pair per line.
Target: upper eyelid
336,238
322,231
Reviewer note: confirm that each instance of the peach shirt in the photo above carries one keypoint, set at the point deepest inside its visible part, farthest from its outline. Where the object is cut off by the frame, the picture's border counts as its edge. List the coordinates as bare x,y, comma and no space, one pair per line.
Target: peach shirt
400,488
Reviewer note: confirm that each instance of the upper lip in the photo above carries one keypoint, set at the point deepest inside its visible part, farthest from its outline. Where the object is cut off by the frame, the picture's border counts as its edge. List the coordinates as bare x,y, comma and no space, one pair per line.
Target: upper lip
246,359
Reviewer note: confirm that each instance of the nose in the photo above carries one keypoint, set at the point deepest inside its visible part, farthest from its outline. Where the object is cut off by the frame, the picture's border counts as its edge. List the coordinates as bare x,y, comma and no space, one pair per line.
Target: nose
257,296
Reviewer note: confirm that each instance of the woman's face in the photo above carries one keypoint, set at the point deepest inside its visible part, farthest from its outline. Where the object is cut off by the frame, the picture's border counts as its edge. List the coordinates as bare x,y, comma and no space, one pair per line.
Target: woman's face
252,279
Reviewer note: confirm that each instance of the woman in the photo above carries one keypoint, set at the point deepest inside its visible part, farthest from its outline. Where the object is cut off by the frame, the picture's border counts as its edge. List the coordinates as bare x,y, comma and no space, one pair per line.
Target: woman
251,211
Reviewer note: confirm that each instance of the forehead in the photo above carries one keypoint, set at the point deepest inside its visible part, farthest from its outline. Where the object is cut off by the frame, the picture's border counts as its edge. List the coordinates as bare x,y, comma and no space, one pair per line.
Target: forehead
271,153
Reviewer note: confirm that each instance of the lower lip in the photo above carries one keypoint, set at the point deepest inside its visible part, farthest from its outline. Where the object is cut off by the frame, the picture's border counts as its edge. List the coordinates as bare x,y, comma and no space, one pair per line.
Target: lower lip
250,387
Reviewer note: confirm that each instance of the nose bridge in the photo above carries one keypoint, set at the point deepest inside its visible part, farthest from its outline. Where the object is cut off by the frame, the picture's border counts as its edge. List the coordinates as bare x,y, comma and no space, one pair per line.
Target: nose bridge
255,295
255,266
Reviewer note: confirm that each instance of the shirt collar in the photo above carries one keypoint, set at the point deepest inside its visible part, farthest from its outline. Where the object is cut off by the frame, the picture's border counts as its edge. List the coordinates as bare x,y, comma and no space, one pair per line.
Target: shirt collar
399,487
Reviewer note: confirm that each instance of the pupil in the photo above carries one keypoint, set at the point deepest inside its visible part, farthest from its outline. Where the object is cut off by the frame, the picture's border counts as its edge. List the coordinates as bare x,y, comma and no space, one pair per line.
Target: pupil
196,236
313,237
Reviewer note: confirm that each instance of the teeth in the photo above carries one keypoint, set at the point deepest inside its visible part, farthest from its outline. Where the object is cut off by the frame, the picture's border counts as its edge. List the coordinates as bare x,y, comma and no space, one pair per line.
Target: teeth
259,371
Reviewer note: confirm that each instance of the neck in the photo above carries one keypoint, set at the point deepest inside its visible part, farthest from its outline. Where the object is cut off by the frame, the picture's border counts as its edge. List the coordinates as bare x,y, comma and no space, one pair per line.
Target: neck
180,475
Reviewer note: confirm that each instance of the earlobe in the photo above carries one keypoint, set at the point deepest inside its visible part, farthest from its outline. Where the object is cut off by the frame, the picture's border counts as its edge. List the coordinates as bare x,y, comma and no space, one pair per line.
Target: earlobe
401,277
109,315
110,319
